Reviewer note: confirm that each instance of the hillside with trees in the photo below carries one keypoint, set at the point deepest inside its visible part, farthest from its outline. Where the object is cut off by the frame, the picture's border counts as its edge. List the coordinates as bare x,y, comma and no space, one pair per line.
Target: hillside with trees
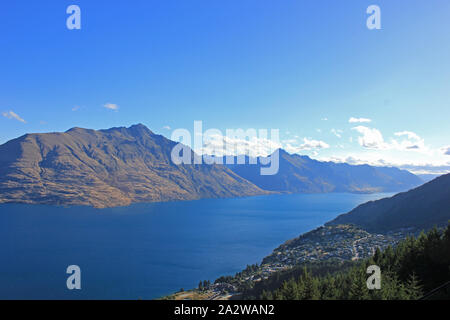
415,267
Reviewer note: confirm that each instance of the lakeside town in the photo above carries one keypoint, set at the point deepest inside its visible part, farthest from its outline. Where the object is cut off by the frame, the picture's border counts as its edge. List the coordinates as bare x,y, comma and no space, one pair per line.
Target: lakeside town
332,243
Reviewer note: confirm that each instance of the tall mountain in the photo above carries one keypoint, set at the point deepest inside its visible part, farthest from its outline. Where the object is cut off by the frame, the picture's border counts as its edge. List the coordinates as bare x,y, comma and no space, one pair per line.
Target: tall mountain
107,168
302,174
423,207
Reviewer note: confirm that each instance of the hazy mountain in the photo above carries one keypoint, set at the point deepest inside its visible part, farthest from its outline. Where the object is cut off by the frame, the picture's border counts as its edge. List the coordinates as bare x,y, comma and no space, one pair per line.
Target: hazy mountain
106,168
302,174
423,207
428,176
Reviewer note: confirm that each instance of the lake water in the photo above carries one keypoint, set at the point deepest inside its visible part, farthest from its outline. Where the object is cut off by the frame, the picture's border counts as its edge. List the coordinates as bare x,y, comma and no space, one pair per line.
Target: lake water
149,250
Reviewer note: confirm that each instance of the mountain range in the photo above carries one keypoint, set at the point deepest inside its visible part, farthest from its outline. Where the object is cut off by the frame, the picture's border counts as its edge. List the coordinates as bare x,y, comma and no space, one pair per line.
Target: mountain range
119,166
301,174
420,208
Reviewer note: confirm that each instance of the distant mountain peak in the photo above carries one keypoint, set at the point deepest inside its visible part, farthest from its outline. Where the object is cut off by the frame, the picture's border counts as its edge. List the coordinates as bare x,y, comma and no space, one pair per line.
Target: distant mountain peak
75,129
140,128
283,152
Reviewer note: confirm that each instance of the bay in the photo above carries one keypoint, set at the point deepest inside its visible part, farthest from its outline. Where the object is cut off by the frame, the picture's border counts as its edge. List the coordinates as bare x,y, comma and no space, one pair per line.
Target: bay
145,251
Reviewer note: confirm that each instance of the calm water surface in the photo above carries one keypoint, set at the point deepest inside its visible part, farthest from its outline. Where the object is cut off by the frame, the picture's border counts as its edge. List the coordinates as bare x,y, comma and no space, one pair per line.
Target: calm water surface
149,250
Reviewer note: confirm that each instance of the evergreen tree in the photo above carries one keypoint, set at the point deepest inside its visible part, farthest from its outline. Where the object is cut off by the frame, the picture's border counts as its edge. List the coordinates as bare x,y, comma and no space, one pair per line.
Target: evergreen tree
358,288
413,288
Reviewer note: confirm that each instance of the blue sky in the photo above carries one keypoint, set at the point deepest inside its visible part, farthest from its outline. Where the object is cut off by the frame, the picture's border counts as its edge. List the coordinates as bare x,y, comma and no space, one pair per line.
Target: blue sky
286,64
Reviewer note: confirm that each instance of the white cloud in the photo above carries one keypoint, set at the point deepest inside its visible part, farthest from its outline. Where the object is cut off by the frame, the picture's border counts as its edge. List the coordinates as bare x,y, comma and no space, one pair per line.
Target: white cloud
405,150
291,149
219,145
324,119
76,108
314,144
13,115
409,134
289,141
337,132
167,127
359,120
381,160
371,138
307,144
111,106
413,141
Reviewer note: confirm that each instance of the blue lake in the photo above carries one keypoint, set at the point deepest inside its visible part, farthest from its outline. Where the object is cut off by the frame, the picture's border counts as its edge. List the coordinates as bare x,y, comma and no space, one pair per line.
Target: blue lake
149,250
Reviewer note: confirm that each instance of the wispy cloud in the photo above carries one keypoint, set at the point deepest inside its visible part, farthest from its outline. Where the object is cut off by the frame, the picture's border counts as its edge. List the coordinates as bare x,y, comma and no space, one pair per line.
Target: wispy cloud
111,106
308,144
167,127
76,108
409,134
412,142
359,120
337,132
13,115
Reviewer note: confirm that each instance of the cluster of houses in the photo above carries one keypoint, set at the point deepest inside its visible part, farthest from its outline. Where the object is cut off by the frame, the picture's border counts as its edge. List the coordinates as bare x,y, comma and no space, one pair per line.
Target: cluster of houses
342,242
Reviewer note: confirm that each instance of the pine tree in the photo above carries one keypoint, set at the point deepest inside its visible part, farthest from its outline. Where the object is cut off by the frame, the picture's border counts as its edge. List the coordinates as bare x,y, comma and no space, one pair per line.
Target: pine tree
290,290
266,295
358,287
311,288
413,288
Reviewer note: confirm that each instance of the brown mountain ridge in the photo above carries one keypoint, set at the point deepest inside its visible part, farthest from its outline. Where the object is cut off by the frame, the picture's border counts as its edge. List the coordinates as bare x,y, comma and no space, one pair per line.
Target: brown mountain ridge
107,168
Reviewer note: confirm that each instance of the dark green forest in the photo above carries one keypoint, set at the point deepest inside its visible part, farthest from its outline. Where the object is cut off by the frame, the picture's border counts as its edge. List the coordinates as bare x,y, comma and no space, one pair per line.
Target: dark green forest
411,270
